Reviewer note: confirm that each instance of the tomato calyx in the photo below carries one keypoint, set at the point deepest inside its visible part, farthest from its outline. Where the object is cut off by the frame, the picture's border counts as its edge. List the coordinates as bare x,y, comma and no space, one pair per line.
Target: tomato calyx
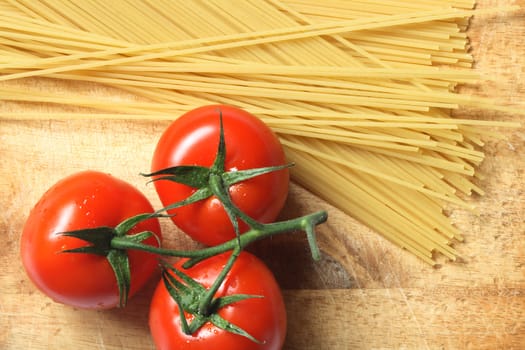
193,298
100,239
213,181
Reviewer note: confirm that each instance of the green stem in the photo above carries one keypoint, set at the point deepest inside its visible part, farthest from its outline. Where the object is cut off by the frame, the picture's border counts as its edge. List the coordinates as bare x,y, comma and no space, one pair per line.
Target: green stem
206,301
304,223
219,189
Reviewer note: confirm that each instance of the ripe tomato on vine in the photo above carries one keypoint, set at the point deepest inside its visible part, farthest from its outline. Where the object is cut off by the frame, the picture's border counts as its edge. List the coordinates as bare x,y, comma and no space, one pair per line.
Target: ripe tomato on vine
255,320
191,140
94,203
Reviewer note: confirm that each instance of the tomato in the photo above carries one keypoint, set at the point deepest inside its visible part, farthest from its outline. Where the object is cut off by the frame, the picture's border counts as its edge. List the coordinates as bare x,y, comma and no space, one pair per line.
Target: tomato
193,139
83,200
263,318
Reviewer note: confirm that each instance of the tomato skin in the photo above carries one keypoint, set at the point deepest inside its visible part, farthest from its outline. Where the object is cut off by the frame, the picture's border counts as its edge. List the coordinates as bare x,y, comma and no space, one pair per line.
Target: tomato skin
192,139
263,318
86,199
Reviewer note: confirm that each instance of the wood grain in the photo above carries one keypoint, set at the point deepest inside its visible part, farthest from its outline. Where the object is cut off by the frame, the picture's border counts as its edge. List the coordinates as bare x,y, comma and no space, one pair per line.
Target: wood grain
365,293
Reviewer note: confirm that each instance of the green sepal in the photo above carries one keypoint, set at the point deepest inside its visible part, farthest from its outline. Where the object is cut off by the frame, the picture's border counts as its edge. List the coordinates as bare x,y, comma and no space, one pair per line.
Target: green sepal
218,166
118,259
233,212
190,175
187,281
125,226
186,294
99,237
142,236
230,299
232,177
200,194
218,188
221,323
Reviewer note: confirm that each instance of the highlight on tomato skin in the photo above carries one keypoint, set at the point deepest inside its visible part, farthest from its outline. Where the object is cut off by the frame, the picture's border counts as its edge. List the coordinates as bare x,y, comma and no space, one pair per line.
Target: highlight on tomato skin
192,139
263,318
86,199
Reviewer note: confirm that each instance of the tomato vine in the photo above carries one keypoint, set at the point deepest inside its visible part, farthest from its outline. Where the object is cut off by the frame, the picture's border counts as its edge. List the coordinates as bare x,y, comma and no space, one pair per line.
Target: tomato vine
189,295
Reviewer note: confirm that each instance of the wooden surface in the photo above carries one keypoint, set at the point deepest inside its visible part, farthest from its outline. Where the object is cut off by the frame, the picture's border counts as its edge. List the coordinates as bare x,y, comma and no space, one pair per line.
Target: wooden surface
364,294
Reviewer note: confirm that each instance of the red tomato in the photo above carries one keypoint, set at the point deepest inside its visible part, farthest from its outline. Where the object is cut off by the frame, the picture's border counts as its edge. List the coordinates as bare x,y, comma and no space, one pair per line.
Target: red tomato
193,139
263,318
87,199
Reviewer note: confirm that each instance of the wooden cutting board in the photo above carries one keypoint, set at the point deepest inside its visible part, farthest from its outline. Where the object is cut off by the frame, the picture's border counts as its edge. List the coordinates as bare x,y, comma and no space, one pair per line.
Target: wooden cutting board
365,293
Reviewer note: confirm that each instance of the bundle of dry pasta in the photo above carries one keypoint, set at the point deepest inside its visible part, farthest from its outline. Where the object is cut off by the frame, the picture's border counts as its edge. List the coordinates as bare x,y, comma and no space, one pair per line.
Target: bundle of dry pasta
360,90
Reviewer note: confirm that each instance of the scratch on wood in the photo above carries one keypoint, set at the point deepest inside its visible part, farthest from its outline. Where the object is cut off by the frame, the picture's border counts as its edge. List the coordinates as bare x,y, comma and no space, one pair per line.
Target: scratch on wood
414,317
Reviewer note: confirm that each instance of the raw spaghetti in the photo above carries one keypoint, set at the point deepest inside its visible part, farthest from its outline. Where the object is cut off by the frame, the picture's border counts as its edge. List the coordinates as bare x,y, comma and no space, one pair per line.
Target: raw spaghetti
362,90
